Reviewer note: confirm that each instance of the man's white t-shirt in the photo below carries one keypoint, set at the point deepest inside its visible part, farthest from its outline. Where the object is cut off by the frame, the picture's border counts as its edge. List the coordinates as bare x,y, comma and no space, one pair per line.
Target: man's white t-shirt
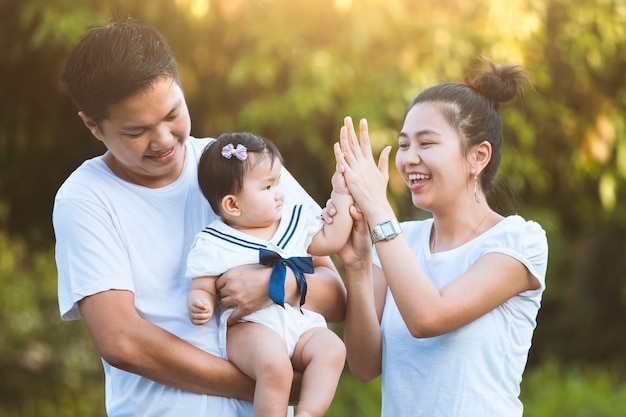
112,234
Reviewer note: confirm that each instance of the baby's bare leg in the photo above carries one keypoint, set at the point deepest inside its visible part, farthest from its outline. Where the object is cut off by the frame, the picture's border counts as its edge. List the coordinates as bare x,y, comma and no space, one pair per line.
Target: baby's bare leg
320,355
260,353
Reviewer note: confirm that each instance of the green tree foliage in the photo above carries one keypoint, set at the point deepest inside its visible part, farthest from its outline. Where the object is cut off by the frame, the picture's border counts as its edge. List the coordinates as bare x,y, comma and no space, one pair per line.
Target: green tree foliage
41,140
47,368
555,391
356,398
571,144
291,70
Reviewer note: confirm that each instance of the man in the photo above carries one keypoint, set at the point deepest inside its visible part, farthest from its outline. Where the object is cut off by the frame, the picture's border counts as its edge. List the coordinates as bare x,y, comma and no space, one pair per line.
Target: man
124,222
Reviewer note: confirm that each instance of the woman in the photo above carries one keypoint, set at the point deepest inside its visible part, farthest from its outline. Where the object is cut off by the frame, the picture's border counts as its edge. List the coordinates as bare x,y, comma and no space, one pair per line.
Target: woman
447,310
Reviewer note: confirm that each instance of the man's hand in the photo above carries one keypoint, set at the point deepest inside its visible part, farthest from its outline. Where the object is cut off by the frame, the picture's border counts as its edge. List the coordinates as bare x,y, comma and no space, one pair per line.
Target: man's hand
245,288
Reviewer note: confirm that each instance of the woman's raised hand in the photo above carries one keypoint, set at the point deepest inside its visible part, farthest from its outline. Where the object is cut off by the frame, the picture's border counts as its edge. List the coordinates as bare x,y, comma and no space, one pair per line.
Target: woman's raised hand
366,180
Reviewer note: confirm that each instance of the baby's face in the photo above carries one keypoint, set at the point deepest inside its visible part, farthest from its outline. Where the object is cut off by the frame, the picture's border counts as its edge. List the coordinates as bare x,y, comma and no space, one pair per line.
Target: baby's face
261,199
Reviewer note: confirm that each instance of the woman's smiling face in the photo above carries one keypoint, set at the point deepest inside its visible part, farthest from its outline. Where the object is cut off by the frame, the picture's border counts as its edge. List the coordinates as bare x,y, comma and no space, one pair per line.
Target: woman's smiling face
430,158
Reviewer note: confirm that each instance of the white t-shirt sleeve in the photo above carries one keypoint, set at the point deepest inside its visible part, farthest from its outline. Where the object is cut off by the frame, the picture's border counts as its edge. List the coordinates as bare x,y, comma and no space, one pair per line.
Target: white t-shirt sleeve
85,228
525,241
207,259
295,194
314,224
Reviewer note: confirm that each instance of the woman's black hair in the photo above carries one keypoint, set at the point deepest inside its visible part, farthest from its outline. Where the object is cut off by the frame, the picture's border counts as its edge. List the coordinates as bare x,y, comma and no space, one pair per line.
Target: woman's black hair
471,107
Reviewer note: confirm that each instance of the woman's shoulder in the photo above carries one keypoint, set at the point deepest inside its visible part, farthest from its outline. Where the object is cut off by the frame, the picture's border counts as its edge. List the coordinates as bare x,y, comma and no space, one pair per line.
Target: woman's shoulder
520,238
518,227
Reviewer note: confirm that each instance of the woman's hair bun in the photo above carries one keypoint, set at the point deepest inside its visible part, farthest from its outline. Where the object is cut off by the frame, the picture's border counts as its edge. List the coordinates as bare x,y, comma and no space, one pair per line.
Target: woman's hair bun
499,83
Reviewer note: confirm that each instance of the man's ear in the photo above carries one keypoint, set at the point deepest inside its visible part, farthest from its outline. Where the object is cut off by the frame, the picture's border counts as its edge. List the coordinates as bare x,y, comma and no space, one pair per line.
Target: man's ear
230,206
92,126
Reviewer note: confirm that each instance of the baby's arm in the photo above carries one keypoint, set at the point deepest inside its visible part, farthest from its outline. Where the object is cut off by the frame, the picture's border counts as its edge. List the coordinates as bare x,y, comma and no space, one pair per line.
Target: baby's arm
334,236
201,299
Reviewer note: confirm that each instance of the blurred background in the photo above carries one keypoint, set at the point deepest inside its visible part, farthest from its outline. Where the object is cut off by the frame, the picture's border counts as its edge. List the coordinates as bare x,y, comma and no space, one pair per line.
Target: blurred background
291,70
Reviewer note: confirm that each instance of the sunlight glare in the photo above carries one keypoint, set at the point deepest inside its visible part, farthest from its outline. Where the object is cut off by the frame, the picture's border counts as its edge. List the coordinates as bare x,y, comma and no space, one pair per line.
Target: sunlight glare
197,8
343,6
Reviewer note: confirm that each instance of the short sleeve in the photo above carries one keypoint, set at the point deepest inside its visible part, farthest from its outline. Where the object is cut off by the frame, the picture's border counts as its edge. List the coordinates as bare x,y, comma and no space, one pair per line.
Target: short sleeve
313,225
525,241
206,259
85,228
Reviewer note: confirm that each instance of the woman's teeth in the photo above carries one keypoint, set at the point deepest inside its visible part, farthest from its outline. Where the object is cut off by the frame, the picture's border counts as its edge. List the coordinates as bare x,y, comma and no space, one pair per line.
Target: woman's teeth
416,177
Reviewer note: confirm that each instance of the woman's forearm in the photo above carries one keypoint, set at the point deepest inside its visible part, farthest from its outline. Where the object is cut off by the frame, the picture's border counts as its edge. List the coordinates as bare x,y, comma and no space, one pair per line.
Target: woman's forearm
362,334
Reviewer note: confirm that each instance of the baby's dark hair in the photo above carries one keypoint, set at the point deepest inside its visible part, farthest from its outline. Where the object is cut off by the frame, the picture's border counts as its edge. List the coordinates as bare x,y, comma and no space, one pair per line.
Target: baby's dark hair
471,107
219,176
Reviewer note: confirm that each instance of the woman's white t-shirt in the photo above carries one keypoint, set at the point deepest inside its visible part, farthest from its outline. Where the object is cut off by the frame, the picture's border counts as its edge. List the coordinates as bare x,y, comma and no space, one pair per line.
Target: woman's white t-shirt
476,370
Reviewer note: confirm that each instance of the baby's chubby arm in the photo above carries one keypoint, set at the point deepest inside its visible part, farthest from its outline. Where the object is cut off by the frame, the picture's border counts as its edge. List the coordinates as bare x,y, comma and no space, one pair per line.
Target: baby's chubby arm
201,299
334,236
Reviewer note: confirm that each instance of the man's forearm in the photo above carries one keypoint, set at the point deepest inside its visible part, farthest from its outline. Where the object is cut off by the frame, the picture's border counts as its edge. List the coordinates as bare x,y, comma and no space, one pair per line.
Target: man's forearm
128,342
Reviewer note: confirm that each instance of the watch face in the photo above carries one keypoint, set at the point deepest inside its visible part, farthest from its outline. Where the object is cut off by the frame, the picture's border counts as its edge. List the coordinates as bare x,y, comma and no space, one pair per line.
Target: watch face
388,229
385,230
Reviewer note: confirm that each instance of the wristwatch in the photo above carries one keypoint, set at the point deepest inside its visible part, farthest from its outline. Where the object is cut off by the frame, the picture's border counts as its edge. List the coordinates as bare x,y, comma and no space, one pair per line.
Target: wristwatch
385,230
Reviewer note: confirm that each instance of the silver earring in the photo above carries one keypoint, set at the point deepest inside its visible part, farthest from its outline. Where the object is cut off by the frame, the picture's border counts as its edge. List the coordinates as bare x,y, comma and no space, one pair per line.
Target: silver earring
476,193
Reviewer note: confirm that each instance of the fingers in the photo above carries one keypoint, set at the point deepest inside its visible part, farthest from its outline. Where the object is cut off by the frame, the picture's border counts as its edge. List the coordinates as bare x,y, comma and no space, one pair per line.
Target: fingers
220,282
345,146
199,321
355,213
240,312
351,137
364,137
200,304
234,317
329,212
200,312
339,158
360,225
226,301
327,217
354,146
383,161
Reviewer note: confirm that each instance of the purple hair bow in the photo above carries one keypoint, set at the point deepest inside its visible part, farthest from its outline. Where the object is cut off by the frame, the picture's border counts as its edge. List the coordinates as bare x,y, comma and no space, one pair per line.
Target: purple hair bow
240,152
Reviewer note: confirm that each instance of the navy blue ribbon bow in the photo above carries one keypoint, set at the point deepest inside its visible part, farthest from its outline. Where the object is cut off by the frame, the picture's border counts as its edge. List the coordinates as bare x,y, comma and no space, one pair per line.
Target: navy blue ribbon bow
299,265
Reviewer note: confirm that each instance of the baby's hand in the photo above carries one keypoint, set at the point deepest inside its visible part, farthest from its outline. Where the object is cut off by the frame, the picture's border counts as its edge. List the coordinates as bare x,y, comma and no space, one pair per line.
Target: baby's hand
200,311
339,184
